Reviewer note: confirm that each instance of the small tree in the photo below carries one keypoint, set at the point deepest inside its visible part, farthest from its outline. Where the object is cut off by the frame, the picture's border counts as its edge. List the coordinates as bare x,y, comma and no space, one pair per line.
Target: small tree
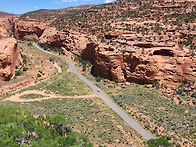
98,79
159,142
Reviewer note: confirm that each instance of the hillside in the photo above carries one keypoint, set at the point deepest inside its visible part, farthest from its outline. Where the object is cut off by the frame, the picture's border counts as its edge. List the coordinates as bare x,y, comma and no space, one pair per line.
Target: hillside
141,53
5,14
50,15
120,33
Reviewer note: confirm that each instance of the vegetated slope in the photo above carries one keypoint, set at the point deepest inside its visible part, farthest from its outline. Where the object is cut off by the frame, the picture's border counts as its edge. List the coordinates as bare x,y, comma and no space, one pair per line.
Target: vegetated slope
5,14
47,14
158,113
19,127
87,115
129,41
90,116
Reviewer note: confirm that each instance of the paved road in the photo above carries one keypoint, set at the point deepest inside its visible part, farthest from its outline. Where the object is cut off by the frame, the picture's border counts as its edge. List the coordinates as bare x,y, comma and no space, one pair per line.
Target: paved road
131,122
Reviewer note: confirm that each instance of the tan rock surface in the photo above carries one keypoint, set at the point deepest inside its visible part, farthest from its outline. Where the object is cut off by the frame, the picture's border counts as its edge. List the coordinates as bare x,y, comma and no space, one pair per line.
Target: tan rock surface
9,57
162,67
3,32
70,41
29,30
7,21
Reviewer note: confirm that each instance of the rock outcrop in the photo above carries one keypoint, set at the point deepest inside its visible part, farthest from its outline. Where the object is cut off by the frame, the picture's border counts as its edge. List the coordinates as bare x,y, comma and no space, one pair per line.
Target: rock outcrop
144,50
161,63
164,66
6,22
9,57
69,41
3,32
73,42
29,30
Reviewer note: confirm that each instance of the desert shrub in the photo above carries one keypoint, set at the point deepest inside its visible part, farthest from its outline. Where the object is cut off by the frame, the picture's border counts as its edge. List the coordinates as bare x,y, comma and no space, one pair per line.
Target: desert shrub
98,79
194,95
51,58
24,58
30,44
18,72
159,142
83,63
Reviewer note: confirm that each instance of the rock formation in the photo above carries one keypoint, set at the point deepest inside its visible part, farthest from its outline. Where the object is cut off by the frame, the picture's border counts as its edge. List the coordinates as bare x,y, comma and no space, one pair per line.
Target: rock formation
161,62
9,57
3,32
6,22
69,41
29,30
122,43
164,66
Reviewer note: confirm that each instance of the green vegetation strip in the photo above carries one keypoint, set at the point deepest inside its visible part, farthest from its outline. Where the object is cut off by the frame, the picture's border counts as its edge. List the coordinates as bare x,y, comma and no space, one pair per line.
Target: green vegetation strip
32,96
89,116
64,84
19,127
159,110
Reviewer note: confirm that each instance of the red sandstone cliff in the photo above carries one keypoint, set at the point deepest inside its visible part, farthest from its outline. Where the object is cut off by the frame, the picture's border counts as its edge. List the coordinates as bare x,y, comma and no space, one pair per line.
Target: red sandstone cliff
166,66
29,30
70,41
9,57
73,42
3,32
163,63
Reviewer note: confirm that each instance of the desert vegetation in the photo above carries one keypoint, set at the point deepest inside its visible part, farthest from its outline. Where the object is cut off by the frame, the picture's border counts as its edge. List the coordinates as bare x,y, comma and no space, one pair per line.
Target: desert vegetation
152,43
18,127
88,116
156,112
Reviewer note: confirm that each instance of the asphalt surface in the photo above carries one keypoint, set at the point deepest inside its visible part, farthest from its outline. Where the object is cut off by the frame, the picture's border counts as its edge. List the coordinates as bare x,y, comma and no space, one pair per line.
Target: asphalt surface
130,121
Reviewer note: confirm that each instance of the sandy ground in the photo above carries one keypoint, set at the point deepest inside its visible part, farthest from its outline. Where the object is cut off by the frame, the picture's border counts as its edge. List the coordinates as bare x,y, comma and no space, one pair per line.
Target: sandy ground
57,67
17,97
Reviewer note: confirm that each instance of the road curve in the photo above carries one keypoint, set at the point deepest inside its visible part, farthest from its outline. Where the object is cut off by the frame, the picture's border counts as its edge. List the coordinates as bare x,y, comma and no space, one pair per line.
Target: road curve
130,121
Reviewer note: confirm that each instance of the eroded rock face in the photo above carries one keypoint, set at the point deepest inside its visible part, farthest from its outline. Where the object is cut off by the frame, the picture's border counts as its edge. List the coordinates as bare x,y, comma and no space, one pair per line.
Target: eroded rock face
6,22
89,52
165,66
70,41
9,57
29,30
159,62
126,67
3,32
51,36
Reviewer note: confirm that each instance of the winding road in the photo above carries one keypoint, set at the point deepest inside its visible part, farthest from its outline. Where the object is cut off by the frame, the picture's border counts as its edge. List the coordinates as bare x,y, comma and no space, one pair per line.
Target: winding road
130,121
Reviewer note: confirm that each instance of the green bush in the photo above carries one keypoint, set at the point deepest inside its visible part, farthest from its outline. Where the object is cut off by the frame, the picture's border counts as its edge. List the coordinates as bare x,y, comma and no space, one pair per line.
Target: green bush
98,79
159,142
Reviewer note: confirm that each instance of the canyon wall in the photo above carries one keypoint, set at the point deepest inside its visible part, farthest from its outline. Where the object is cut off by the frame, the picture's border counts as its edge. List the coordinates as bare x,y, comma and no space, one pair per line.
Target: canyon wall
160,63
165,66
9,58
73,42
28,30
6,22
